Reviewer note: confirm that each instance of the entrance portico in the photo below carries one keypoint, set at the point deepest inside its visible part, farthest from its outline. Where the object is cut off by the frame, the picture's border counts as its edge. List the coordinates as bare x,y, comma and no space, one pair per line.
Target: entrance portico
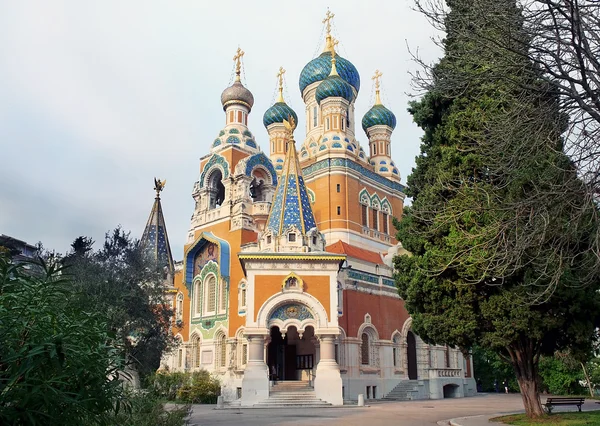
292,334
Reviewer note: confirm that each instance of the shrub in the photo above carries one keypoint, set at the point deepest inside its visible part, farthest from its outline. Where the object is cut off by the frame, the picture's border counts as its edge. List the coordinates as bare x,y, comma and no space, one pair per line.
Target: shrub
198,387
146,409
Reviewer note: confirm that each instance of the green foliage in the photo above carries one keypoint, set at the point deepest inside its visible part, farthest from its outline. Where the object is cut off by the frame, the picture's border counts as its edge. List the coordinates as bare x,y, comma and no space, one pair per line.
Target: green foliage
147,409
482,226
121,281
58,365
491,369
198,387
561,375
590,418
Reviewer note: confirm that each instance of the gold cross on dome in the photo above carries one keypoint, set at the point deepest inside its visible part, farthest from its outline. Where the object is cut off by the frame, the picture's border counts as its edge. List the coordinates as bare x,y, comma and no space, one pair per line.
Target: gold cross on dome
238,62
280,77
328,17
376,78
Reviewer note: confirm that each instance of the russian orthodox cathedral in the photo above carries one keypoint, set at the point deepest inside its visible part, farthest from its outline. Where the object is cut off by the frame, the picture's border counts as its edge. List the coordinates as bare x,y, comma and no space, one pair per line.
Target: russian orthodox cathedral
286,284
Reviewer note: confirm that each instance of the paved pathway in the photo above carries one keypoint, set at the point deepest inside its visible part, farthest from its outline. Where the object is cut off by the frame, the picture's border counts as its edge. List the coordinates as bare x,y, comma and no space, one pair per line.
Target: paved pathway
409,413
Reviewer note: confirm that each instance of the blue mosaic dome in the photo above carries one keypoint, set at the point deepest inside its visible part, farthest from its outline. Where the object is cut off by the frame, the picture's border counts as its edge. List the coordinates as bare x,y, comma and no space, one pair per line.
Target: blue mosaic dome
334,87
319,69
378,115
277,113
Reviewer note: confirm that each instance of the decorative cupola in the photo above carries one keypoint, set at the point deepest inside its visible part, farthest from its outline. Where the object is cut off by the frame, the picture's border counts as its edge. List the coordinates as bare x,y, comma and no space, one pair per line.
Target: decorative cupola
379,123
237,103
314,74
291,225
154,238
273,120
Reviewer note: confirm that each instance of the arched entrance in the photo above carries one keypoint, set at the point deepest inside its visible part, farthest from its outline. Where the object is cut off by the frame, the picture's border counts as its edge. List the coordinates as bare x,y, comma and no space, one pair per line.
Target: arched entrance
411,355
291,355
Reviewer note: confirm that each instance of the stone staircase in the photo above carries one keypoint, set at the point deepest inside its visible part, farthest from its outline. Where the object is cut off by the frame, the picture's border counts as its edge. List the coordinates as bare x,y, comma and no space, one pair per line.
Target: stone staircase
404,391
292,394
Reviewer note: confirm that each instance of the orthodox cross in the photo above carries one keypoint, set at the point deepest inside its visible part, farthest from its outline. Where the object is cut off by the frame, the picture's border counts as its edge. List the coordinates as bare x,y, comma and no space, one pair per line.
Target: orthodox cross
280,78
328,17
238,63
376,78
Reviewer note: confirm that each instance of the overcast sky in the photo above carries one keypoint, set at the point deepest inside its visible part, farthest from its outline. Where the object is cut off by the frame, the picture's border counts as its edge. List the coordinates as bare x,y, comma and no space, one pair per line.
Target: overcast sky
99,97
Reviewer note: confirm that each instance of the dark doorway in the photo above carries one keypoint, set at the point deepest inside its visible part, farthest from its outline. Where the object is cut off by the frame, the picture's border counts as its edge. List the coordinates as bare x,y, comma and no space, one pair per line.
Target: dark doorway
411,349
450,391
281,355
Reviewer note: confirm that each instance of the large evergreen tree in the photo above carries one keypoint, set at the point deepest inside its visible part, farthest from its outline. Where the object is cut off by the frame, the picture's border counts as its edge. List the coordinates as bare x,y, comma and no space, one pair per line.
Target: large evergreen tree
469,201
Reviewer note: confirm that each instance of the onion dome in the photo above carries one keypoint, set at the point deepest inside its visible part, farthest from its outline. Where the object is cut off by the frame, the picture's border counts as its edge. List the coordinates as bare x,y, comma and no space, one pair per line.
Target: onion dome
334,86
277,113
378,115
237,93
319,68
280,110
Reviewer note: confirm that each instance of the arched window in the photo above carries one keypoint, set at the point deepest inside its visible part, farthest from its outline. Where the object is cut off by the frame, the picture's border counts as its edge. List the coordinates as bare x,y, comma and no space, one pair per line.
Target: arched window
198,298
242,350
223,297
179,307
396,351
216,189
365,349
210,295
196,351
221,351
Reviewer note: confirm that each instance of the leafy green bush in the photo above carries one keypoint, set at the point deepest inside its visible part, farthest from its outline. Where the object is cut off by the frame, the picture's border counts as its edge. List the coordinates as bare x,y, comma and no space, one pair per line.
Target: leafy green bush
58,364
146,409
198,387
561,375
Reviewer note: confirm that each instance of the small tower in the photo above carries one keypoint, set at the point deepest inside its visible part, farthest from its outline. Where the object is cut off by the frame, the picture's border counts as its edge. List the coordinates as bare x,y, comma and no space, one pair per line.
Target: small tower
379,123
237,103
334,97
291,225
155,238
273,120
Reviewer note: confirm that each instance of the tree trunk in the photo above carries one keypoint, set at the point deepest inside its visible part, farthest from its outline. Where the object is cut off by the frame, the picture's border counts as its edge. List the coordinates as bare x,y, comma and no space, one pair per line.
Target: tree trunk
525,362
587,379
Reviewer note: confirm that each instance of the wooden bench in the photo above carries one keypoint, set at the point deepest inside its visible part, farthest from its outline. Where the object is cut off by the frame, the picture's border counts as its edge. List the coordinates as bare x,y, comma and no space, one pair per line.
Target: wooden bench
552,402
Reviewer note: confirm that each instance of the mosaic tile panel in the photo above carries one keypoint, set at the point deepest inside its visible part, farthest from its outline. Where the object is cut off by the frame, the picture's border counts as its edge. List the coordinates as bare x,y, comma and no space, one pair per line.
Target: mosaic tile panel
363,276
216,159
263,160
291,311
348,163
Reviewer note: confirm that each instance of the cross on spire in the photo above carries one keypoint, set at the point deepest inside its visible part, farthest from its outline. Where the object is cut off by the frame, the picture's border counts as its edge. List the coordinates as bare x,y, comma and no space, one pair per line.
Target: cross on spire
238,63
280,78
376,78
328,17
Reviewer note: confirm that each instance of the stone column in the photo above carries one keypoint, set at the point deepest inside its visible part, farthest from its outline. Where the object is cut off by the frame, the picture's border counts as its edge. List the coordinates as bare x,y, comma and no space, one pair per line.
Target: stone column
328,382
255,384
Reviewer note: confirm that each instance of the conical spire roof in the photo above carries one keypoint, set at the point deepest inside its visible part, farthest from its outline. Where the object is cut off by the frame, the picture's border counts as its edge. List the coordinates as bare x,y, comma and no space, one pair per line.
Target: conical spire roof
291,205
155,237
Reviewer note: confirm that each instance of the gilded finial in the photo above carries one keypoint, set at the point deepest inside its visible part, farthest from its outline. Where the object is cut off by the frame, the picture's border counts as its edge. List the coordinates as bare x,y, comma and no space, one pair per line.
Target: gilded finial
327,21
159,186
238,63
376,78
290,125
280,77
334,43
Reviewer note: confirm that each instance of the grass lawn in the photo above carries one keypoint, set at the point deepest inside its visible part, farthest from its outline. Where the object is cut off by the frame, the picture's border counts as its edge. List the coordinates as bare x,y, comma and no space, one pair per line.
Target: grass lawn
589,418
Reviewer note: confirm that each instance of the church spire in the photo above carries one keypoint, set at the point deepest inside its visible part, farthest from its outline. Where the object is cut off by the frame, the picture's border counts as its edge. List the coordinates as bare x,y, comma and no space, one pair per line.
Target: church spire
155,237
291,206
